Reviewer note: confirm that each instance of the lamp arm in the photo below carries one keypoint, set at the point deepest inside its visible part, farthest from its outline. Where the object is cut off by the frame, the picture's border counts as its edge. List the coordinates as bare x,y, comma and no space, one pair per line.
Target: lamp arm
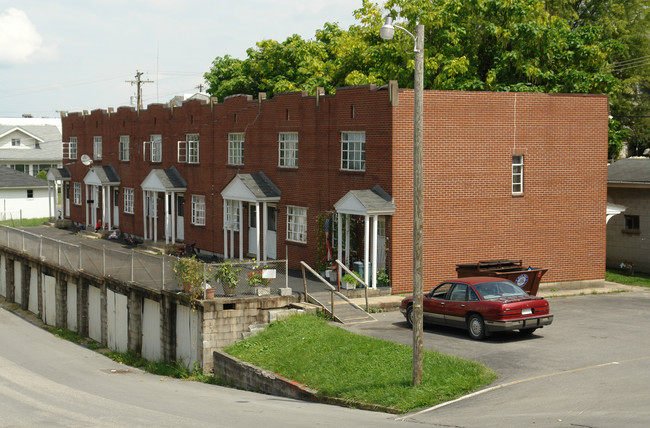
415,40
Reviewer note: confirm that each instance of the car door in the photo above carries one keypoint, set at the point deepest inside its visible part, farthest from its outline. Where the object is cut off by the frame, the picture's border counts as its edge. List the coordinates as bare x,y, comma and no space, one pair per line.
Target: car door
456,306
434,304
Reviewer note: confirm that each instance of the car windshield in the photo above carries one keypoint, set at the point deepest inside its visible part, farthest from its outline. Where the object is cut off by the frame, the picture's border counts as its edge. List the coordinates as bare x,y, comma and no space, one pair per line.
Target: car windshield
499,290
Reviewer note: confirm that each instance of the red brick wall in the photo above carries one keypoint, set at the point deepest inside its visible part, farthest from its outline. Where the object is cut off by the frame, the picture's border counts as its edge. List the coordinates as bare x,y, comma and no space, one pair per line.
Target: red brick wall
470,212
469,138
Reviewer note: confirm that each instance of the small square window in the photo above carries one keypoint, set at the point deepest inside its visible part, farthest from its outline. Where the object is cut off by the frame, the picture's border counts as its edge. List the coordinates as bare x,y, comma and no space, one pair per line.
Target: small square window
631,223
30,194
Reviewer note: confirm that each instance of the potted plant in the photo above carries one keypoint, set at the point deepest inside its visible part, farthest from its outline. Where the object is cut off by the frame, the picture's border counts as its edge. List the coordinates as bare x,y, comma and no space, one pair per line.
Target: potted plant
383,280
349,282
228,276
256,280
189,272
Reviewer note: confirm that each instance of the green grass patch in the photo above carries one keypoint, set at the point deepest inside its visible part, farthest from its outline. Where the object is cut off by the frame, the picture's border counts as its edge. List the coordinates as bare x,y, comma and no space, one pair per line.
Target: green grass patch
27,222
624,277
73,337
358,368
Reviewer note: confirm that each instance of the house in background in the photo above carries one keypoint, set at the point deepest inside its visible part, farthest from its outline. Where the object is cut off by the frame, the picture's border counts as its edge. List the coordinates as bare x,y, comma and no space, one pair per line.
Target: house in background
22,196
30,145
628,233
298,176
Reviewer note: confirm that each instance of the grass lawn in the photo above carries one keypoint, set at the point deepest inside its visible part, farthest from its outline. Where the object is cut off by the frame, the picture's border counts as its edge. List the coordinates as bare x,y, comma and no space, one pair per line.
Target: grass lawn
338,363
623,277
27,222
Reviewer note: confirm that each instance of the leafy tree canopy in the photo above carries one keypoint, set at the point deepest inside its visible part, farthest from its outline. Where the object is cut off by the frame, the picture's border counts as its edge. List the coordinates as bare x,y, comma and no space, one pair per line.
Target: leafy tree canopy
574,46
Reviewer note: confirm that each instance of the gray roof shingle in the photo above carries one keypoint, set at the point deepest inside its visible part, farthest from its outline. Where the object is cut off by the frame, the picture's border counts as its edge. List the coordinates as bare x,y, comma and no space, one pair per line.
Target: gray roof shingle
10,178
630,170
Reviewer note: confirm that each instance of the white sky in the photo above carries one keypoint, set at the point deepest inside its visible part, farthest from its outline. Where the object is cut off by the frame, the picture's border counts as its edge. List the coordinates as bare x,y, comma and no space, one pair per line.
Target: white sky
75,55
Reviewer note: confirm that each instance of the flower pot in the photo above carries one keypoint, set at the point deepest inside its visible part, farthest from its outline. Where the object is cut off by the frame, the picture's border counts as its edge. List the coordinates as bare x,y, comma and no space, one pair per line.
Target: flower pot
348,285
187,287
228,289
209,293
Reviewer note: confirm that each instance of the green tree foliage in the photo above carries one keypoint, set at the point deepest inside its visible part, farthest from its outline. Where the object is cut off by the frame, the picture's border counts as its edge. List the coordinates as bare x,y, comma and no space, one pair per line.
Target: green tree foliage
574,46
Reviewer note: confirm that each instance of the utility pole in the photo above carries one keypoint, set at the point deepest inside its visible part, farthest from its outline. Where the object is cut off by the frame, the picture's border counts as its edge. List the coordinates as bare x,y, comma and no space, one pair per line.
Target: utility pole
199,87
139,82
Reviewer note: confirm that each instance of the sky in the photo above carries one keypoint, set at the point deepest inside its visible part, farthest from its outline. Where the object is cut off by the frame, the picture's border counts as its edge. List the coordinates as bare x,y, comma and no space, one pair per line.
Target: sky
71,55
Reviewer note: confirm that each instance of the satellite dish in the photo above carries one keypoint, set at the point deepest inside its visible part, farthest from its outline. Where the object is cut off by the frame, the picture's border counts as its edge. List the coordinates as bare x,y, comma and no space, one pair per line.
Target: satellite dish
85,159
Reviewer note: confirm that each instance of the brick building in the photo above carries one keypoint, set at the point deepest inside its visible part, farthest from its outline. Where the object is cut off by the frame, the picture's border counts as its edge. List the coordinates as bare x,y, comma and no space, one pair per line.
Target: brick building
507,175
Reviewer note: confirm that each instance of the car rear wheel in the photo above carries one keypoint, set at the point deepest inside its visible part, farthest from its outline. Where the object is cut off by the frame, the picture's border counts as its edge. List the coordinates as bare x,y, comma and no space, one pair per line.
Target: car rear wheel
526,331
476,327
409,316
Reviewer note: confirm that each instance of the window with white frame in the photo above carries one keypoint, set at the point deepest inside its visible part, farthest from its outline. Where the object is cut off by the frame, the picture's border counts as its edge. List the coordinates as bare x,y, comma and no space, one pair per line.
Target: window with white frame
353,151
297,224
236,149
192,148
232,214
128,200
76,193
124,147
288,146
70,149
97,148
198,210
517,174
15,142
156,148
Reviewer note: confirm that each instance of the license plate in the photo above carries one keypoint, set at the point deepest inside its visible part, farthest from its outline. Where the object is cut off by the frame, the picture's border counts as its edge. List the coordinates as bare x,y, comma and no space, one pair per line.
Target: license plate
527,311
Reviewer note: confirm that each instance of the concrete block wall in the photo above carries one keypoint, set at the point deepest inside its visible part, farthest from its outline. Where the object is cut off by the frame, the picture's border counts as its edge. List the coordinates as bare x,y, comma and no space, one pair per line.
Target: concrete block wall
221,321
624,245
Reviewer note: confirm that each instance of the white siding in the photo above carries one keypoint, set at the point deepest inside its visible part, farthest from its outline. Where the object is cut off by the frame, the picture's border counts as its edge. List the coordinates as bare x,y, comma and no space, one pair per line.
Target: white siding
15,201
49,300
117,330
151,330
187,335
72,307
94,313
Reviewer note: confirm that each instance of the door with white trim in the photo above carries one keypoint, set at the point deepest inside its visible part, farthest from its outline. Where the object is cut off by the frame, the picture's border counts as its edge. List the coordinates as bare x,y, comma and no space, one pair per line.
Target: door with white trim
252,229
116,207
180,219
271,233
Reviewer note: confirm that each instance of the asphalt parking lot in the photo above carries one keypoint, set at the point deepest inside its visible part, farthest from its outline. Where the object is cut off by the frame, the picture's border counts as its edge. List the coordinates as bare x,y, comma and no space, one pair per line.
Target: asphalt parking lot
591,367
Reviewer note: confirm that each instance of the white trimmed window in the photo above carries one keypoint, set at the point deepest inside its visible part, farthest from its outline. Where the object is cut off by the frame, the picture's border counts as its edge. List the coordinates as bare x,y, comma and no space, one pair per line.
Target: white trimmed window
353,151
97,148
70,149
192,148
288,146
236,149
156,148
76,193
296,224
128,200
124,147
15,142
517,174
232,214
198,210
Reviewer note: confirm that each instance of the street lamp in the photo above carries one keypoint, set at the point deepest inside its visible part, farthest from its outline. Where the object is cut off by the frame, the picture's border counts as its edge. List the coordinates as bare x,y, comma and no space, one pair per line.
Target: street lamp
387,32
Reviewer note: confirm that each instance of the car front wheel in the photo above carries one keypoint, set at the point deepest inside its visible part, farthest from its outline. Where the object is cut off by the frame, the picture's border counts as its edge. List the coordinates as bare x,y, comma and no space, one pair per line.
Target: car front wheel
409,316
476,327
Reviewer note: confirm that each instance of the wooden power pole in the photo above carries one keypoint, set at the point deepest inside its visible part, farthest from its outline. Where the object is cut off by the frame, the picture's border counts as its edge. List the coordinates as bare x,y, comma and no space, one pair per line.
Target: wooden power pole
138,81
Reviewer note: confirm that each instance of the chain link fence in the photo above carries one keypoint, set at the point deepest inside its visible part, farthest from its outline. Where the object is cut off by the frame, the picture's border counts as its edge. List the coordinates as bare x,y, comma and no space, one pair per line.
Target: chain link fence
152,270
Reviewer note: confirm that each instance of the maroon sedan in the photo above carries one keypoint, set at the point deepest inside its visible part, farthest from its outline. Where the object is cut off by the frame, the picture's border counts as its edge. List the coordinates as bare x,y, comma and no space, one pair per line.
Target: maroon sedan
482,305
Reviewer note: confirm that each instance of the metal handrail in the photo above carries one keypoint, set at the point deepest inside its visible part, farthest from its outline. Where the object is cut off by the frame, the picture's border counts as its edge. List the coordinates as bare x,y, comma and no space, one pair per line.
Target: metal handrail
304,282
365,286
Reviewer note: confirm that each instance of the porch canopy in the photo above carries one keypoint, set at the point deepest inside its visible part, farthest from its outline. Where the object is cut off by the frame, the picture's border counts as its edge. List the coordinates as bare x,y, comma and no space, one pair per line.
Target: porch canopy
169,182
58,177
255,189
100,178
370,204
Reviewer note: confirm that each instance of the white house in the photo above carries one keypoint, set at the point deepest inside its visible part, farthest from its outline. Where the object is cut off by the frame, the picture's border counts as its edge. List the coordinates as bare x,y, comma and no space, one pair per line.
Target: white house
21,195
31,145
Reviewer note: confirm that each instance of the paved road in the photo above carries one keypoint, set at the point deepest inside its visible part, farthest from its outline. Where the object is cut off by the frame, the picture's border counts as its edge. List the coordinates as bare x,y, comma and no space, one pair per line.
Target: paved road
49,382
590,368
